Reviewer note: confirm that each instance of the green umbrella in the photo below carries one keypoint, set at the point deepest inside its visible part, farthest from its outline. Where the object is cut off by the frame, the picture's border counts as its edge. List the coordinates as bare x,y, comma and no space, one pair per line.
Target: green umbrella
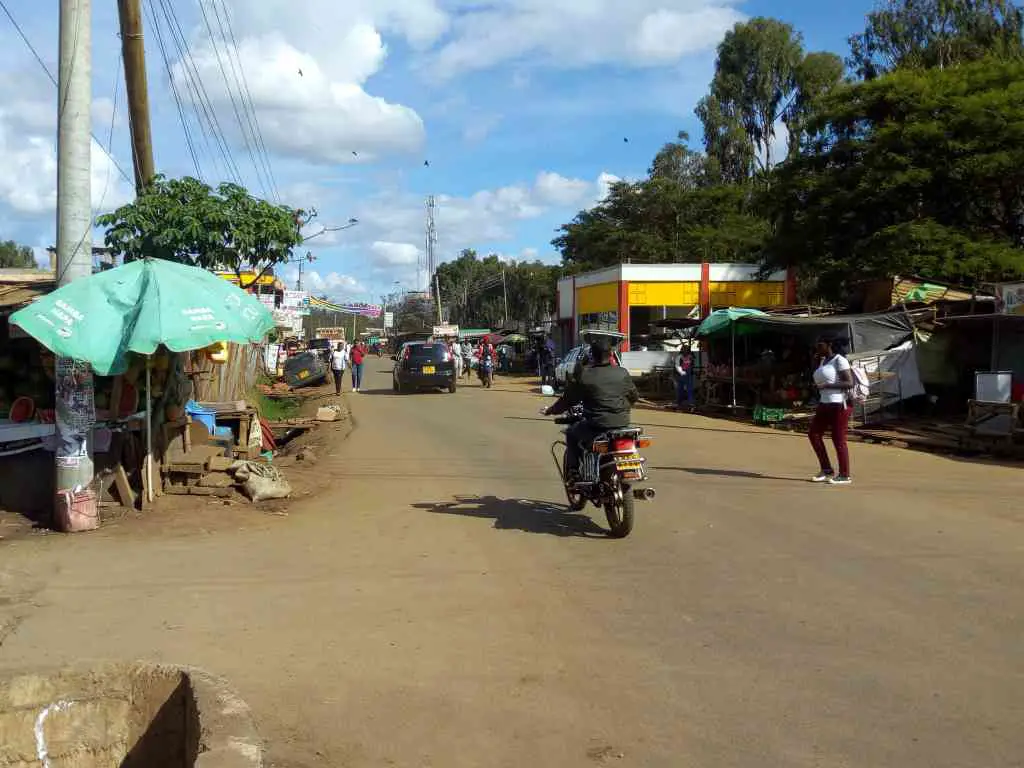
139,306
136,308
721,319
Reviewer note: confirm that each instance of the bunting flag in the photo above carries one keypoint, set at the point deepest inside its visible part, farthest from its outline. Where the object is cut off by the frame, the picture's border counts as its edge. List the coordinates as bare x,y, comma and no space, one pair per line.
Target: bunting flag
354,308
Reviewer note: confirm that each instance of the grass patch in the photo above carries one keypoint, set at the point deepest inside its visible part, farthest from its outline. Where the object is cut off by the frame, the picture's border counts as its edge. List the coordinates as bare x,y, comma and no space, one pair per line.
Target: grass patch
276,407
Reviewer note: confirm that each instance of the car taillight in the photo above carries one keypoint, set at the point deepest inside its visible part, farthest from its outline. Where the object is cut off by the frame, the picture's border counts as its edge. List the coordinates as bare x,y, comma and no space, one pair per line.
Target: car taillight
621,446
408,354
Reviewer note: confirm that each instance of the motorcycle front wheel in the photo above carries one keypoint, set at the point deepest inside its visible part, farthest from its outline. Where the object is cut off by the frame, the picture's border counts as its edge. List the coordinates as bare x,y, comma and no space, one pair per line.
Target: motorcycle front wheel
618,509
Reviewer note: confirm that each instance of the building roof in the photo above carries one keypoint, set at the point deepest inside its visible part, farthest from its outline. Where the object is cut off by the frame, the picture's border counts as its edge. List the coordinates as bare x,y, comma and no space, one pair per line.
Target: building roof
19,287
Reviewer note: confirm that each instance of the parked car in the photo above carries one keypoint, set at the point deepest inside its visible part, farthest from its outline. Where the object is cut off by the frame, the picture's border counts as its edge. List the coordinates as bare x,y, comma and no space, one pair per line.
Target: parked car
565,369
322,347
423,365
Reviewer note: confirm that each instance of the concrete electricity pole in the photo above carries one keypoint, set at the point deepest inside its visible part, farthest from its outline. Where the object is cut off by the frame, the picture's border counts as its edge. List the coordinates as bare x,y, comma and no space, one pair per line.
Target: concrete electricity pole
134,54
74,395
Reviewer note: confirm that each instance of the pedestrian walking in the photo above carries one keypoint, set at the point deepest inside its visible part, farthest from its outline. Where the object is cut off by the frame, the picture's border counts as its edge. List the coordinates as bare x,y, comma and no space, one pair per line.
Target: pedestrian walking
684,378
356,357
339,359
833,377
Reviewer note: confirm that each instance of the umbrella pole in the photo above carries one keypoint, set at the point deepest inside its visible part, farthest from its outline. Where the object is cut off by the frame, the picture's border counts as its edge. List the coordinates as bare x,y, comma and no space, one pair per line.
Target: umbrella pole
149,431
733,331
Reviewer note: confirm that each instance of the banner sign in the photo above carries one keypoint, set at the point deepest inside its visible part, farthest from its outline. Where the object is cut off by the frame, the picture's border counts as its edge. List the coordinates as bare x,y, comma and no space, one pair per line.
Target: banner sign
352,308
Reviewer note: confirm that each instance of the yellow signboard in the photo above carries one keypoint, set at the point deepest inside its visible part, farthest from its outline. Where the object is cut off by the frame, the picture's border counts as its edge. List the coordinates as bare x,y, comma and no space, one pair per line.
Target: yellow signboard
248,278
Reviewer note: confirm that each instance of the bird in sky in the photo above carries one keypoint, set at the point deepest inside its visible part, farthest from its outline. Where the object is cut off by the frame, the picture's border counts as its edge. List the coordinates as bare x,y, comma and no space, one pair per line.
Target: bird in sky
300,73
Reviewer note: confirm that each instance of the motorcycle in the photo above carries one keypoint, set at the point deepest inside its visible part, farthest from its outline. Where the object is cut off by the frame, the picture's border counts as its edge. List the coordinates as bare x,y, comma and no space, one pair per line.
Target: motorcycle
486,371
608,470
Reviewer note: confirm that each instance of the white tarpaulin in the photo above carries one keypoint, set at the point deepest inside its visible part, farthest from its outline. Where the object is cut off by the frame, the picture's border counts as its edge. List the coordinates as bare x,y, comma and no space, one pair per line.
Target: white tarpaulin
899,376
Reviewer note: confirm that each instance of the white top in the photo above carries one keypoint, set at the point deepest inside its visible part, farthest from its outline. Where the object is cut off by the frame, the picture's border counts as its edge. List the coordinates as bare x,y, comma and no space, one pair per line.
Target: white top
338,359
828,373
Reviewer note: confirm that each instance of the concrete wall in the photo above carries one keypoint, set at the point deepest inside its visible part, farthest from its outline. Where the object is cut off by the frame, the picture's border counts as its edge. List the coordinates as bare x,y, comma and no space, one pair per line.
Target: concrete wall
124,716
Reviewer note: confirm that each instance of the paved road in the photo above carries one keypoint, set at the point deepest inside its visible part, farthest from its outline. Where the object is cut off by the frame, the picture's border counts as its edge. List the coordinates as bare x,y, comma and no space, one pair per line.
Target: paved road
438,607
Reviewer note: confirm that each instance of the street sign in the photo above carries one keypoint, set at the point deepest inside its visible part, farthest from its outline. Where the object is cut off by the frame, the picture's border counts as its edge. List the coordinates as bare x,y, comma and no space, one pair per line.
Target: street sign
389,320
446,330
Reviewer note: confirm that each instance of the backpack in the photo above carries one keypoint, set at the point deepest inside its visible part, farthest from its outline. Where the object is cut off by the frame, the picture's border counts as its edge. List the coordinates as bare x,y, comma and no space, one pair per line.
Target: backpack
861,385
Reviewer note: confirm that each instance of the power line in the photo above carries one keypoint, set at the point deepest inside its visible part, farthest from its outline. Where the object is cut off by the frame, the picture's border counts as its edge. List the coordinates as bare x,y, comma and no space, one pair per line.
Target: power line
174,89
247,96
53,80
198,88
231,95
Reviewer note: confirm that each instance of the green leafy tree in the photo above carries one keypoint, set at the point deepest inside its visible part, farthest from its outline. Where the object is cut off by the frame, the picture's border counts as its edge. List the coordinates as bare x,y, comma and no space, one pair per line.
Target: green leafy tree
935,33
917,172
13,255
474,289
677,162
816,76
755,77
187,221
659,221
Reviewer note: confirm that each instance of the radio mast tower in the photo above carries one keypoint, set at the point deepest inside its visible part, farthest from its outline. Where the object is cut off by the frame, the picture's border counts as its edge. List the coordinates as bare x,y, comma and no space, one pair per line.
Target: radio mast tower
429,251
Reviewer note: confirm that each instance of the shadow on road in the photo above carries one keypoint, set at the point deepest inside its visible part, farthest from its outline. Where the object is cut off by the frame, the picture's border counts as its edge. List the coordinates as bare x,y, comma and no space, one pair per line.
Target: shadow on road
520,515
726,473
760,432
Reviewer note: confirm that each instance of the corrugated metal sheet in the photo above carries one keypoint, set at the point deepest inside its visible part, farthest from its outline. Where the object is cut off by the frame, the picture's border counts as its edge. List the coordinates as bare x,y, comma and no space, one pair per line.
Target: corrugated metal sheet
14,295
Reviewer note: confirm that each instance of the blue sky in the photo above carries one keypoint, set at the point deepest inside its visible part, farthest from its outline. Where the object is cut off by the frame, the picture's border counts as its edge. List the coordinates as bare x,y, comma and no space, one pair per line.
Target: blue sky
521,108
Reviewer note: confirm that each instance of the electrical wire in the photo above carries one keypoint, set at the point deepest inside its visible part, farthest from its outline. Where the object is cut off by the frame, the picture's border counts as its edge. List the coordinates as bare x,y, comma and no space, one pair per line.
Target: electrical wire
49,74
247,96
199,90
231,96
174,89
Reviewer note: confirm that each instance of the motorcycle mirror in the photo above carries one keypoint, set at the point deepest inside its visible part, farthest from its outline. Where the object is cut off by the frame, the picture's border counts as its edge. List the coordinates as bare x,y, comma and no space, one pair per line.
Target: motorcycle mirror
547,390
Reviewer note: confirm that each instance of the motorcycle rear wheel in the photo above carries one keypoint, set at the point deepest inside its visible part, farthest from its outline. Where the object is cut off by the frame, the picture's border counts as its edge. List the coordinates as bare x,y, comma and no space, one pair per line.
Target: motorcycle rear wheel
577,500
619,513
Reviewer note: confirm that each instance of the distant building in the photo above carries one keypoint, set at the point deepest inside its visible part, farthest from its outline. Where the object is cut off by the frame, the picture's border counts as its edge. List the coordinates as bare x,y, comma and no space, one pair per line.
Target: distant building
629,297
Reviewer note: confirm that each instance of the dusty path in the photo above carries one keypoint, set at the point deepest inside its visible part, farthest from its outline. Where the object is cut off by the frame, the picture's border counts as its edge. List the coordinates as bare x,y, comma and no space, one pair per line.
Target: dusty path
437,607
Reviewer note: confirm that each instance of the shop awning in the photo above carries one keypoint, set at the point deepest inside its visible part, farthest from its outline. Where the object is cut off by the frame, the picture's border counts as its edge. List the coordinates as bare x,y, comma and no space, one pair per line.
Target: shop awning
866,333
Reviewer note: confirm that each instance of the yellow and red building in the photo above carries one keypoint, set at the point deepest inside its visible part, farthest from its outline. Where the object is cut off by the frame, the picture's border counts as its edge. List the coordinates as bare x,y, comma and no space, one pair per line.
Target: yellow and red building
629,298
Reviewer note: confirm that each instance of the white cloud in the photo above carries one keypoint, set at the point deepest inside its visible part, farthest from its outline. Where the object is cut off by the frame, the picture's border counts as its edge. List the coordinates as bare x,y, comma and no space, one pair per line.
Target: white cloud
387,254
309,107
28,183
333,284
640,33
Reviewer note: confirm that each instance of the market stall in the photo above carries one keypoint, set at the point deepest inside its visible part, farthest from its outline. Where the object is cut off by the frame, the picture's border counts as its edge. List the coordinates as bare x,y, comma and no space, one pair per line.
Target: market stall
757,360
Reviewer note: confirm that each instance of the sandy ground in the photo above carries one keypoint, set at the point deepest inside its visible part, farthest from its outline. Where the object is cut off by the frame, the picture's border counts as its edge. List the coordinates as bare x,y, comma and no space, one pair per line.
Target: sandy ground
435,605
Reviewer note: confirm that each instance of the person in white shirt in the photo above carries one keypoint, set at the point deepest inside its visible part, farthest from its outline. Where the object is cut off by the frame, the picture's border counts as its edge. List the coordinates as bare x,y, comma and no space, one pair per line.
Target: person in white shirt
339,361
833,376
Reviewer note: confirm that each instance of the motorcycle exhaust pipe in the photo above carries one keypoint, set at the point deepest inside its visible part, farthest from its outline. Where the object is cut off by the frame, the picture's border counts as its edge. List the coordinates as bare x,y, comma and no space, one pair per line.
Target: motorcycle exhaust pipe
644,494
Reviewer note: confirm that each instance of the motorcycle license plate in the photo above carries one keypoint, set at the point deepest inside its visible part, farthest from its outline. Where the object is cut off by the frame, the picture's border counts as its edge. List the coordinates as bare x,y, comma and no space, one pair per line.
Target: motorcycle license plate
428,369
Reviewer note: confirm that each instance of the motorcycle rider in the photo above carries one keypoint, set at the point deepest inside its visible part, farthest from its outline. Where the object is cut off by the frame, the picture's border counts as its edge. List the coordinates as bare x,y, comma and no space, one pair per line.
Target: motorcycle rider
607,394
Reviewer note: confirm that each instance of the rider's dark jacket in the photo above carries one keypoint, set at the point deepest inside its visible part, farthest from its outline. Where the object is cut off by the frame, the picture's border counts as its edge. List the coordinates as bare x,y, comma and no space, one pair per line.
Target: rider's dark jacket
606,392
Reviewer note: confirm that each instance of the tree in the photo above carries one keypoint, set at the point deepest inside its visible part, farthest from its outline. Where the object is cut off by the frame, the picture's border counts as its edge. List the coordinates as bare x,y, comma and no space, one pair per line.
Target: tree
677,162
916,172
185,220
816,76
755,76
13,255
935,33
662,221
474,289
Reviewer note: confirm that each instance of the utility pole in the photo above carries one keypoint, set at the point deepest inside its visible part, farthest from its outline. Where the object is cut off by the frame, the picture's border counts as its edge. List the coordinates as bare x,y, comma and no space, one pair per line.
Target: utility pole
504,288
75,408
133,51
437,295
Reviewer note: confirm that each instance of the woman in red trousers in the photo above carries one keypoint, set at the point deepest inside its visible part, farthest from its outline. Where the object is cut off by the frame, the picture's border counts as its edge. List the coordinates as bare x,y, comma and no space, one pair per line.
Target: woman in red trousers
833,376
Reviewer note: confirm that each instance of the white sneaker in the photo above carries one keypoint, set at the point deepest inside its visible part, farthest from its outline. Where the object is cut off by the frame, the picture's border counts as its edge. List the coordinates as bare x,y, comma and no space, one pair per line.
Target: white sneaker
840,480
822,477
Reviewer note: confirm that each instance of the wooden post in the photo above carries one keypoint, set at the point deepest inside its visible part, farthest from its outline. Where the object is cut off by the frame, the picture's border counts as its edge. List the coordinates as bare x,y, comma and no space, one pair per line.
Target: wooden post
134,53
